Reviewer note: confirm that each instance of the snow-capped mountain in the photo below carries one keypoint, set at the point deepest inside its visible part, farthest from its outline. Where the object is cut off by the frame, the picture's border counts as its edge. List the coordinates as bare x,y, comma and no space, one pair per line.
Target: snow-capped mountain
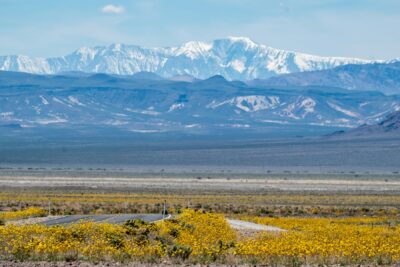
235,58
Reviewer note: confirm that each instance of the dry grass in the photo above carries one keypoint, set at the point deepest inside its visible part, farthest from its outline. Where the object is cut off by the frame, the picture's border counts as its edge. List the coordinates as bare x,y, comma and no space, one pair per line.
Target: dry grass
273,204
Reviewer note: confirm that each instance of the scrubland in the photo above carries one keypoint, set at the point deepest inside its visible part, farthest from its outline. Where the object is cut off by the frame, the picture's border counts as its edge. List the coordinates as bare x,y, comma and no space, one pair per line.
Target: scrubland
69,202
196,236
322,227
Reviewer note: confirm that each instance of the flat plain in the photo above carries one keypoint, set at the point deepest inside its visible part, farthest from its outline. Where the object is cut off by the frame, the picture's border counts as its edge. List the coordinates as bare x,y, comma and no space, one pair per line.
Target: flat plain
336,201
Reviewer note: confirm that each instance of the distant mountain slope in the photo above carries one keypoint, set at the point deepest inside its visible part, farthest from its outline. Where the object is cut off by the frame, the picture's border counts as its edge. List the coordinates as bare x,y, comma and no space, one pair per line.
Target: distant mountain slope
236,58
214,105
384,77
390,125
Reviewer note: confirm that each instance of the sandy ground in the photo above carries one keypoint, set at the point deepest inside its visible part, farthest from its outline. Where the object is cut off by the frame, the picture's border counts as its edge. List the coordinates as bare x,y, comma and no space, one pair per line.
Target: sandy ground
249,226
356,184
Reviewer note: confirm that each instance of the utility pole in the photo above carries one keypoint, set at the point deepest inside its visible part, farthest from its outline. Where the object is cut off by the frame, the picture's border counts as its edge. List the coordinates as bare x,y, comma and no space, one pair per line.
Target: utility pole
49,207
164,209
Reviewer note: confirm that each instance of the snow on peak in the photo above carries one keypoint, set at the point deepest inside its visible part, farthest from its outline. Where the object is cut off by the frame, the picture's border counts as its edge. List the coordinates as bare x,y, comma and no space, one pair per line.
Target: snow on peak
116,47
238,65
243,40
24,64
193,49
236,58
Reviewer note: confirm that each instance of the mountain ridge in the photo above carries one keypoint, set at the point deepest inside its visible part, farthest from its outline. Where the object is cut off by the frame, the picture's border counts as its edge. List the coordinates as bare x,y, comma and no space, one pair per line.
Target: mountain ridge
236,58
388,126
384,77
211,106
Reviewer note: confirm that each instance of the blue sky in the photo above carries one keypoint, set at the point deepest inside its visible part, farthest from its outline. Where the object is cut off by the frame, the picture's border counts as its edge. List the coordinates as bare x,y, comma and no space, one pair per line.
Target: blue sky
351,28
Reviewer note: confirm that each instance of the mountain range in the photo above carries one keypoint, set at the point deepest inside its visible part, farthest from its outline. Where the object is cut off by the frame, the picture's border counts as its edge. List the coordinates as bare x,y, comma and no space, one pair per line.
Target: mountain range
235,58
383,77
145,103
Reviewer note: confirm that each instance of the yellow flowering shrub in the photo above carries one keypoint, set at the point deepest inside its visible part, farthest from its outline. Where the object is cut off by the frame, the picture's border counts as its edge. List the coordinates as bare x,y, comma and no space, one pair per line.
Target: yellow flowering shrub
326,240
192,234
87,240
202,237
206,234
22,214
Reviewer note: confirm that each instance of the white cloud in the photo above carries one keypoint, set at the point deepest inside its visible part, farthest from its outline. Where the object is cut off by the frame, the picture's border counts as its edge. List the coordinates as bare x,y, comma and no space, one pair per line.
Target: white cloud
113,9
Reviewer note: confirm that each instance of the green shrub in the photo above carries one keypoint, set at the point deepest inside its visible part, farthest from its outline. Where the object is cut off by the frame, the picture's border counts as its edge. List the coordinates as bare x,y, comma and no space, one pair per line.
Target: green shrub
179,251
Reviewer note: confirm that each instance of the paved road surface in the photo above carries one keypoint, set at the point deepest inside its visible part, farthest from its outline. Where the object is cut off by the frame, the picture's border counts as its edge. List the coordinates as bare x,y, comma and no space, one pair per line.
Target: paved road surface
111,218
